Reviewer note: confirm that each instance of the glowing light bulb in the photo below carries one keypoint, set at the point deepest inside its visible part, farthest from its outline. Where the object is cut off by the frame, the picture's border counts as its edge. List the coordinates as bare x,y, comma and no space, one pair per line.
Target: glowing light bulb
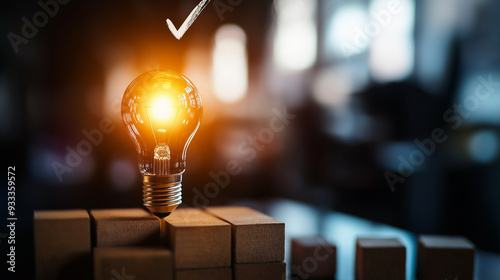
162,112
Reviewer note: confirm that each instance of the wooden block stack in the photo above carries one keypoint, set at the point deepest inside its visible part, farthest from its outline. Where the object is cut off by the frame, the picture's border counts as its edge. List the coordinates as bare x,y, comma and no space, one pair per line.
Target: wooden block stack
271,271
117,235
313,258
198,239
218,273
258,242
219,243
439,258
62,244
380,258
147,263
257,238
445,257
216,243
125,227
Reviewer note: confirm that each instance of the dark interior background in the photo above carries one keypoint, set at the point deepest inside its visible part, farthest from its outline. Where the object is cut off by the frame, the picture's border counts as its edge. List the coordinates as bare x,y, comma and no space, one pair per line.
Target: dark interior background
355,114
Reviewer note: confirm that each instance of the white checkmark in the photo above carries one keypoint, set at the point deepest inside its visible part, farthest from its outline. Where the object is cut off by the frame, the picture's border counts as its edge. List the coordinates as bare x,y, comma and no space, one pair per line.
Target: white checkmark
189,20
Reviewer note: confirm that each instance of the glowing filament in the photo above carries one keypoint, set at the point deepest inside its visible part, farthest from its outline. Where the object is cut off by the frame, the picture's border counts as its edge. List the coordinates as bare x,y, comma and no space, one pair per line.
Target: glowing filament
161,163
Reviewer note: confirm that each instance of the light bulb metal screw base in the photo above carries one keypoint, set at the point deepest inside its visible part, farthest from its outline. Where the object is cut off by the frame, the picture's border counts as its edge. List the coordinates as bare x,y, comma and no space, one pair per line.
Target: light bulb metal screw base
162,194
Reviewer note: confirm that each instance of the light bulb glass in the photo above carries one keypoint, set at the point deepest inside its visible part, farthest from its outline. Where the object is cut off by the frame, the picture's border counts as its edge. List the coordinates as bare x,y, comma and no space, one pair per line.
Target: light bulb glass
162,112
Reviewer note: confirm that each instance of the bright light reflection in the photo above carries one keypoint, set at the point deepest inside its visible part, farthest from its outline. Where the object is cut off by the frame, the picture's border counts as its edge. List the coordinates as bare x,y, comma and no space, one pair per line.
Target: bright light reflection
392,49
343,30
295,41
391,58
163,110
230,65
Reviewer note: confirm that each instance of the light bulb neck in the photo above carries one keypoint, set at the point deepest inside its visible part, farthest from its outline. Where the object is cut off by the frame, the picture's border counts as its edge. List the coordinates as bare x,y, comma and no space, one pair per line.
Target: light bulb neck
162,194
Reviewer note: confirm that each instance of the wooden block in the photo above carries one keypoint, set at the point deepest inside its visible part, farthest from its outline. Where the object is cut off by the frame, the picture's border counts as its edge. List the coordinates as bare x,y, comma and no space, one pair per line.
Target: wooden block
261,271
198,239
220,273
380,258
125,227
445,257
256,238
313,257
145,263
62,244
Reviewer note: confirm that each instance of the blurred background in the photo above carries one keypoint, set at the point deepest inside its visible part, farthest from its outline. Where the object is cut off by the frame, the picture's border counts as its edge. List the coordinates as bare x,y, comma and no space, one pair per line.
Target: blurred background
365,80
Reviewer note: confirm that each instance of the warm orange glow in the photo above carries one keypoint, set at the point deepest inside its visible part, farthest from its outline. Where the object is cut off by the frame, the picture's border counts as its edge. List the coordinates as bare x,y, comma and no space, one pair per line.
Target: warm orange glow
163,110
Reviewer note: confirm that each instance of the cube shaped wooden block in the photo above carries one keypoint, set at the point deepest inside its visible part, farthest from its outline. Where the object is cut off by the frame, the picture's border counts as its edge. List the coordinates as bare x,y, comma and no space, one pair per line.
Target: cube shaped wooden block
256,237
313,257
198,239
445,257
145,263
261,271
219,273
125,227
380,258
62,244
